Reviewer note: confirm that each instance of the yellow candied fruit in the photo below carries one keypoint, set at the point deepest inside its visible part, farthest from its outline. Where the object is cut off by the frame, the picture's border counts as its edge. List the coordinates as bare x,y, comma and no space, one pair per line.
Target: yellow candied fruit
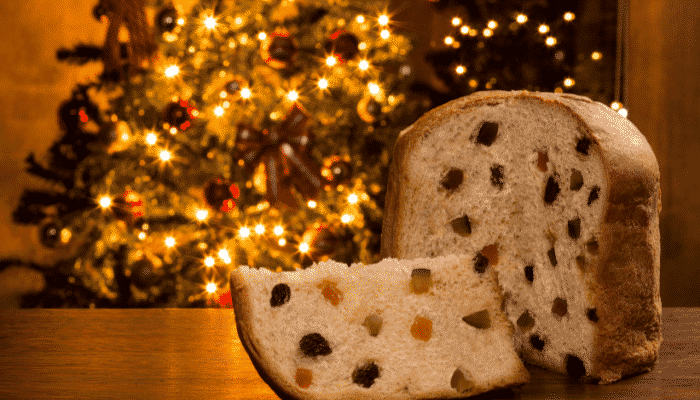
331,292
421,280
422,329
304,377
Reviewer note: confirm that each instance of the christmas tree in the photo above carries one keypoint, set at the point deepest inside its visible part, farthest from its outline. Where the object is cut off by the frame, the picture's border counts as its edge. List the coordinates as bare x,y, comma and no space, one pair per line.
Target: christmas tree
235,133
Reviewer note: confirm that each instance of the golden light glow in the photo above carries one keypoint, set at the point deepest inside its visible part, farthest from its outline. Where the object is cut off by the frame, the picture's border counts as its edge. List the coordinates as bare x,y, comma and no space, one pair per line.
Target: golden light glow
596,55
323,83
373,88
385,34
543,29
456,21
245,93
449,40
210,22
293,95
311,204
521,18
142,235
616,105
383,20
551,41
473,32
244,232
169,241
223,254
209,261
362,46
569,16
262,36
460,69
568,82
464,30
281,242
259,229
346,218
164,155
492,24
360,19
352,199
172,71
181,21
331,61
211,287
488,32
202,215
304,248
473,83
218,111
363,65
623,112
65,235
105,201
278,231
151,138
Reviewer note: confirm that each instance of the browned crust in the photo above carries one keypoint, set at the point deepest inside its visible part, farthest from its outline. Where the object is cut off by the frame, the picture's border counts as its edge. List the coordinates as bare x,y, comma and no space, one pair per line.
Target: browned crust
243,316
627,273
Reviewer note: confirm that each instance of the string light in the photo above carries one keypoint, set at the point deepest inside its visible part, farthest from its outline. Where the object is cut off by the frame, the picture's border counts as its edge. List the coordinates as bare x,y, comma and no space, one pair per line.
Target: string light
209,261
449,40
456,21
165,155
569,16
596,55
521,18
293,95
151,138
142,235
373,88
218,111
211,287
346,218
304,248
172,71
360,19
105,201
623,112
383,20
278,230
464,30
543,29
259,229
223,255
492,24
323,83
363,65
281,242
202,215
244,232
385,34
169,242
311,204
460,69
262,36
488,32
568,82
210,22
616,105
331,61
245,93
551,41
352,199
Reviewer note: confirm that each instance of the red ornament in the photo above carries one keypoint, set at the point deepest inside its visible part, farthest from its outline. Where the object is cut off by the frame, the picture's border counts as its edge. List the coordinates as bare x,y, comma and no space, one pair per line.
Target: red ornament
219,193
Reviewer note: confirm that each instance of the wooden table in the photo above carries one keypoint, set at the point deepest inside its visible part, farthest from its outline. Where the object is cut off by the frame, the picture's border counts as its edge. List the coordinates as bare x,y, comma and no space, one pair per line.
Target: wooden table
196,354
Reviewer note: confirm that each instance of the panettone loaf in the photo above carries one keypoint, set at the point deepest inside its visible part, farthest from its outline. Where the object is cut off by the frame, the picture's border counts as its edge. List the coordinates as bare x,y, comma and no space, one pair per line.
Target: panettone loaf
565,192
420,329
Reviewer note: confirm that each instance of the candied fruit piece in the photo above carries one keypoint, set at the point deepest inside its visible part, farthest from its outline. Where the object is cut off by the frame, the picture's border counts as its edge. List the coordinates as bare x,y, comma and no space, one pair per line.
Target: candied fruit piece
551,190
542,159
422,328
583,144
373,322
575,367
552,256
592,246
574,228
460,382
526,322
462,226
365,374
592,314
530,273
581,261
559,307
593,196
491,252
576,180
314,344
331,292
497,176
487,133
421,280
280,294
452,180
304,377
479,319
537,342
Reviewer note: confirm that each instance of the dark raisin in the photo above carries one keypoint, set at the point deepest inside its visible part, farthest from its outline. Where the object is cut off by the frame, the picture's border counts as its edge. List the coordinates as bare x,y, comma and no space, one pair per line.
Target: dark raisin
497,176
551,190
460,382
552,257
452,179
479,319
487,133
525,321
530,273
594,195
314,344
537,342
480,263
574,227
581,261
592,314
582,145
421,281
576,180
559,307
365,374
592,247
462,226
280,295
542,161
574,367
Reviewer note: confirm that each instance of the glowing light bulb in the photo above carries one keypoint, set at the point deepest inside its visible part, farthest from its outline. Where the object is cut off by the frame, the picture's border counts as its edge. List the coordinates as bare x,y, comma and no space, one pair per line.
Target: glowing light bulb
245,93
352,199
169,241
105,201
210,22
311,204
385,34
172,71
488,32
281,242
464,30
373,88
363,65
460,69
164,155
623,112
346,218
521,18
331,61
278,231
492,24
616,105
142,235
262,35
244,232
596,55
151,138
569,16
293,95
383,20
211,287
551,41
218,111
202,215
543,29
449,40
568,82
209,261
456,21
360,19
304,248
259,229
323,83
223,254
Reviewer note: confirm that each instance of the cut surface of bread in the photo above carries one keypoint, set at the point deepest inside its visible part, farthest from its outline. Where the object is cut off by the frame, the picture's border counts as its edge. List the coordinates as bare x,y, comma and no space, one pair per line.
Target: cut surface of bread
420,329
564,193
